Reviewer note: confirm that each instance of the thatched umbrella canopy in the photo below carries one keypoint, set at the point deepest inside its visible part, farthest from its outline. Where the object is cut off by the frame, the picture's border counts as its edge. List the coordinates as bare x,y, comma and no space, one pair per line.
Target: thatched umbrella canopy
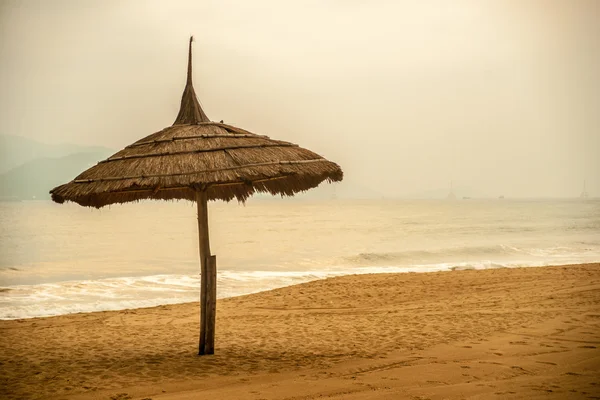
199,160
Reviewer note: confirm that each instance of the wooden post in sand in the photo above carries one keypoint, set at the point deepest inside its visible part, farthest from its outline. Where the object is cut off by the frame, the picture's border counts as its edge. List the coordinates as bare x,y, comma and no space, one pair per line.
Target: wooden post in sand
211,304
208,284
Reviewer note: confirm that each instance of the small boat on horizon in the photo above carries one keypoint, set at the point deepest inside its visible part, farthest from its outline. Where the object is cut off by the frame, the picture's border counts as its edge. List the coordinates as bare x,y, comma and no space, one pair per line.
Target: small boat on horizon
584,193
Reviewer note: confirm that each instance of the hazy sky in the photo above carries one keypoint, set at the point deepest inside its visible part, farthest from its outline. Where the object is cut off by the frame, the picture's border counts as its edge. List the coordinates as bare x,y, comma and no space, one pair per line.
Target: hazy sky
501,95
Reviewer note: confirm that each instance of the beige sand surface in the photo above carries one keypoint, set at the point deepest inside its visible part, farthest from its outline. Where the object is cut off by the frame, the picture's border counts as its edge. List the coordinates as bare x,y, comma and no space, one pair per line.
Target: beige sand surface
505,333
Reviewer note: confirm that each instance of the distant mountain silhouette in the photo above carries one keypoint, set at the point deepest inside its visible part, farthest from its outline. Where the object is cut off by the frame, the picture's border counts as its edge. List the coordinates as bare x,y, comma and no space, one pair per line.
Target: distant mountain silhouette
29,169
16,151
34,179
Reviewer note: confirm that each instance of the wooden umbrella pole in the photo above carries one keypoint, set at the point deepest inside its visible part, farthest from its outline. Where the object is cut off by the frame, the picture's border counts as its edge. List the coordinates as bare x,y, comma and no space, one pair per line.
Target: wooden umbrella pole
211,303
202,204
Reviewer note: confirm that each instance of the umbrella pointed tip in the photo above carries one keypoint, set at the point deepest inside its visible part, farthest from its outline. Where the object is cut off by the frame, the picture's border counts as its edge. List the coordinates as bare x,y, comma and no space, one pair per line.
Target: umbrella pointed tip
190,111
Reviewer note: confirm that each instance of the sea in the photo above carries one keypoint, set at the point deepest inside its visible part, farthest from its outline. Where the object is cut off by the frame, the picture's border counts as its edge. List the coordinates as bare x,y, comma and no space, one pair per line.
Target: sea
60,259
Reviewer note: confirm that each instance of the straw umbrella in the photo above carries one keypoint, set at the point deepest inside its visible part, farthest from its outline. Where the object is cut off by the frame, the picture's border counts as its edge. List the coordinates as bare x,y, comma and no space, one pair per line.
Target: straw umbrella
199,160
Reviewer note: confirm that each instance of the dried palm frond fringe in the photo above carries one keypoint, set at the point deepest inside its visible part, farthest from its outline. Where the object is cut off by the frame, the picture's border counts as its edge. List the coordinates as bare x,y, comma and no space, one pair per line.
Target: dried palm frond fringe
228,162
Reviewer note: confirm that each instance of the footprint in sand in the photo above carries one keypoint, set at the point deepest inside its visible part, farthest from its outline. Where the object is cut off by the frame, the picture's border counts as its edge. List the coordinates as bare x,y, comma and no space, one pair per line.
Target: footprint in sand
546,362
121,396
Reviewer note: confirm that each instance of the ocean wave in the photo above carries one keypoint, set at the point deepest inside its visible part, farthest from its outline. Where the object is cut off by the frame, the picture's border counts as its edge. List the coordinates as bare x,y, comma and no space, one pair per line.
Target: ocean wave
500,252
29,301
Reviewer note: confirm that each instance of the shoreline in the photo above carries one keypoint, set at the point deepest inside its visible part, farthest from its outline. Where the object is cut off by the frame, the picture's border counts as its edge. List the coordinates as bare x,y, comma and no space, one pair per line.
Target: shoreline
194,291
506,332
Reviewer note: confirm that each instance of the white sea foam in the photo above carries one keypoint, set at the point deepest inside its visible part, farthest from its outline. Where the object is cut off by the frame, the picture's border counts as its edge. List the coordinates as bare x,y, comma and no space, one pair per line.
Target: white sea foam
28,301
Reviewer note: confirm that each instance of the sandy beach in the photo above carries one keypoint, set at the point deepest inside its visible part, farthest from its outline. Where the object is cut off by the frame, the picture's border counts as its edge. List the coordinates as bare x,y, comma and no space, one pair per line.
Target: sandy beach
500,333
